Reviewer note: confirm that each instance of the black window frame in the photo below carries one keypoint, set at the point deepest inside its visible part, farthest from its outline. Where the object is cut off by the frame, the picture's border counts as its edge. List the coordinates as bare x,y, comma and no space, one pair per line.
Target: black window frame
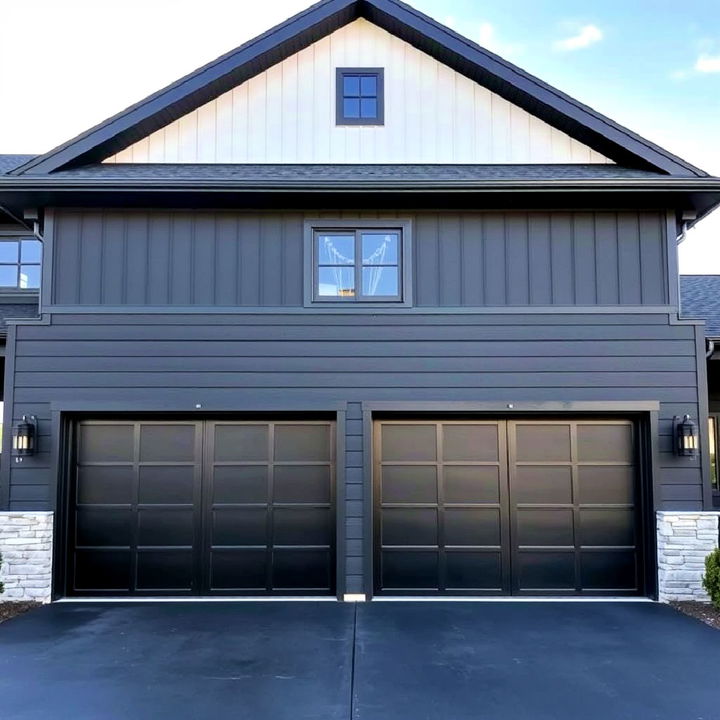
16,289
403,227
340,74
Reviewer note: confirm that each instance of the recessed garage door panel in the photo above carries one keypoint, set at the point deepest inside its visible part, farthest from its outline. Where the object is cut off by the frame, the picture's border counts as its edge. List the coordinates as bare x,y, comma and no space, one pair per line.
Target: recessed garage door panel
495,507
173,508
135,523
270,505
573,507
441,513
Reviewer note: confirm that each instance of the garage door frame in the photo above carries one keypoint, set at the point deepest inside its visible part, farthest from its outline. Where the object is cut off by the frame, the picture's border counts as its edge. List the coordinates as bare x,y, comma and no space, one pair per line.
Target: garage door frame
643,414
63,429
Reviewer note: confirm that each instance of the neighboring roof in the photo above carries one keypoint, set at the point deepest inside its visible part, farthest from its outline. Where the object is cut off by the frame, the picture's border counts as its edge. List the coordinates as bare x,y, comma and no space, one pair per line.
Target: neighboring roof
700,300
16,312
10,162
208,82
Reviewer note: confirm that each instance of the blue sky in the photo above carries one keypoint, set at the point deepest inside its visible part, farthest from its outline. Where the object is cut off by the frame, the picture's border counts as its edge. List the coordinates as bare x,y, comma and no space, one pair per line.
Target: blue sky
652,65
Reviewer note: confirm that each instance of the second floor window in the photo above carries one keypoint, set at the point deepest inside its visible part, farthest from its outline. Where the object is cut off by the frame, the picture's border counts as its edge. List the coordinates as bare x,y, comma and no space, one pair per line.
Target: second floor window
20,260
358,265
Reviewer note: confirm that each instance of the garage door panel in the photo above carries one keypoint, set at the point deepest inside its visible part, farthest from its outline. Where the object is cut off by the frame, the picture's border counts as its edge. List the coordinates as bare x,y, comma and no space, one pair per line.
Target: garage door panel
598,484
97,527
402,570
471,484
605,443
301,526
240,484
100,484
302,569
543,484
240,442
302,443
409,443
167,443
472,526
240,570
102,570
165,570
302,484
239,526
409,526
409,484
474,571
107,442
539,442
609,570
475,442
166,527
545,526
607,526
538,570
166,485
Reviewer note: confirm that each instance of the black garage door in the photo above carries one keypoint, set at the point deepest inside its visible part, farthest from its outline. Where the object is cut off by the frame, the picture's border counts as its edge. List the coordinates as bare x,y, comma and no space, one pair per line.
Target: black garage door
497,508
196,508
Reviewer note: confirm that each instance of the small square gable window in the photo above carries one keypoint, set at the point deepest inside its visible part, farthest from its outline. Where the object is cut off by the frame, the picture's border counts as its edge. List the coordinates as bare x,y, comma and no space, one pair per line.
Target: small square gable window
360,96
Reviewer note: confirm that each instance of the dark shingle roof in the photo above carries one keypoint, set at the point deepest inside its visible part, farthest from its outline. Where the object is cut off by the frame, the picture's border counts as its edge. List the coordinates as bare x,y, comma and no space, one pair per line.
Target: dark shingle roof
16,312
342,173
10,162
700,299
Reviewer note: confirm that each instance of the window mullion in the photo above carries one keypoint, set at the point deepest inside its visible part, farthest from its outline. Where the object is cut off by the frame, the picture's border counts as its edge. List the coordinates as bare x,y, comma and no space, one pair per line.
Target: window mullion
358,264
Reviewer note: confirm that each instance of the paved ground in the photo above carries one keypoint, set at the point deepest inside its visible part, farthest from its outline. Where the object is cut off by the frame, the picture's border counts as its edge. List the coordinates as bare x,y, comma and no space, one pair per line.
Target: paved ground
379,661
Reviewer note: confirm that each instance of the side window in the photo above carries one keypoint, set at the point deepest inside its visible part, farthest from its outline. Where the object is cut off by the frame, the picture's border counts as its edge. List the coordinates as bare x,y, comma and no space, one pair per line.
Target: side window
20,261
360,96
358,264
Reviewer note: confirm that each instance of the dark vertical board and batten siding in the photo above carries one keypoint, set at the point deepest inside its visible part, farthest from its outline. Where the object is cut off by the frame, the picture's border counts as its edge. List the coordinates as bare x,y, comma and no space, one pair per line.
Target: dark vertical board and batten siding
489,259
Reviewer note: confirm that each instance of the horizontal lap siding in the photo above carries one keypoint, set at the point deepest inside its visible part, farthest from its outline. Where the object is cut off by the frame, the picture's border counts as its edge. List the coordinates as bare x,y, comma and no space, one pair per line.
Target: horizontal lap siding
488,259
234,361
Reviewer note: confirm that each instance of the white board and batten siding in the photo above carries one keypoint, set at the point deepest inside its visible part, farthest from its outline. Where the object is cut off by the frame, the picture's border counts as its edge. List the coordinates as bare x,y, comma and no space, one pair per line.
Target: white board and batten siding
287,115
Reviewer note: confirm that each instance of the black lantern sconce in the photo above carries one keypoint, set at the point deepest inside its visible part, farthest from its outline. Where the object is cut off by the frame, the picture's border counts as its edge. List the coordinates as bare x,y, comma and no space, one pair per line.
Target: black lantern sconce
24,437
686,436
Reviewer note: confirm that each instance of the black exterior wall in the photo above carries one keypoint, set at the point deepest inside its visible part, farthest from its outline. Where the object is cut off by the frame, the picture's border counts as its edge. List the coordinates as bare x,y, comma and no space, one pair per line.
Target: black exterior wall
612,339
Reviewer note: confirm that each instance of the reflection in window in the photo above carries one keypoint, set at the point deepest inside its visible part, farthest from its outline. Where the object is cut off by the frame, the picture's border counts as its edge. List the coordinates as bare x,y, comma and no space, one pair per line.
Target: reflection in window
20,261
358,265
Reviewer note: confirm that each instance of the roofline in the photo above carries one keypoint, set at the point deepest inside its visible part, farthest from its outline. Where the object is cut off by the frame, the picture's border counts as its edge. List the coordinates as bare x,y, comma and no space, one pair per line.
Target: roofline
421,31
661,184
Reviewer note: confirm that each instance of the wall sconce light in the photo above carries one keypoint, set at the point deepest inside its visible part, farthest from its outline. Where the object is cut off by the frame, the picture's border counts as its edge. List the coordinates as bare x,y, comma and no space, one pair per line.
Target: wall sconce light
686,436
24,437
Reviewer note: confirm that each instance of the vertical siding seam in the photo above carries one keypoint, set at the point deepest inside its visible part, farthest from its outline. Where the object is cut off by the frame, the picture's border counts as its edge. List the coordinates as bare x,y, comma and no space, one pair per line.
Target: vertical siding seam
573,258
595,256
640,259
238,261
79,250
124,270
618,264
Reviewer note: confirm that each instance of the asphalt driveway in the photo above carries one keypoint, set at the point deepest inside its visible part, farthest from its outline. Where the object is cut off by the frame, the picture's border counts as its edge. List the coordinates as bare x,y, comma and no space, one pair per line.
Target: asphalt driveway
384,660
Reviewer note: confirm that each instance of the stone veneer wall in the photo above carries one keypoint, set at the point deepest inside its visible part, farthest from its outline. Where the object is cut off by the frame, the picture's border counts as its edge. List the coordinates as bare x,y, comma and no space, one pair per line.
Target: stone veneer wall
26,547
683,541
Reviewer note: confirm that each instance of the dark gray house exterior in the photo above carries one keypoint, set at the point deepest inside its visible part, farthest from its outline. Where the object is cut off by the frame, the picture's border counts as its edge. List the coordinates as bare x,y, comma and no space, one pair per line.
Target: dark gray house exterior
339,350
700,299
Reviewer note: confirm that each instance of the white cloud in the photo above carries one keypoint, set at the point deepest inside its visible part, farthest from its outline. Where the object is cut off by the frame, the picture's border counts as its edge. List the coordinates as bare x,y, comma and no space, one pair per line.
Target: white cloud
708,64
488,38
587,35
